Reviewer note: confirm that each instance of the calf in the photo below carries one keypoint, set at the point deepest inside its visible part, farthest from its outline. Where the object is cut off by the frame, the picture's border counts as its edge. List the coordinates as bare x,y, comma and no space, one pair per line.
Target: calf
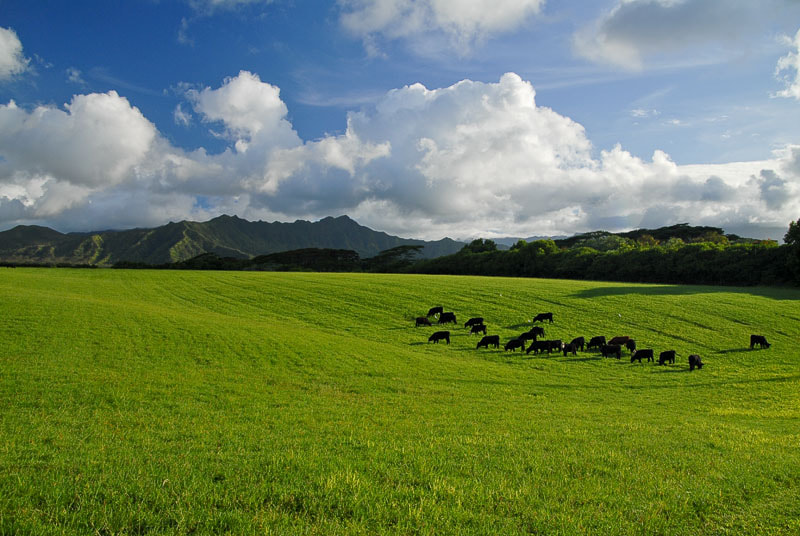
611,349
631,345
596,342
422,321
478,328
694,361
760,340
477,321
638,355
538,346
663,357
619,340
571,347
513,344
435,311
578,342
541,317
494,340
440,336
446,318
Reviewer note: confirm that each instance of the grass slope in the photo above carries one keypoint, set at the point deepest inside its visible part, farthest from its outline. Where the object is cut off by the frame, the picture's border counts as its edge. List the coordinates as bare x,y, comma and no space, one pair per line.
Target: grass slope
138,402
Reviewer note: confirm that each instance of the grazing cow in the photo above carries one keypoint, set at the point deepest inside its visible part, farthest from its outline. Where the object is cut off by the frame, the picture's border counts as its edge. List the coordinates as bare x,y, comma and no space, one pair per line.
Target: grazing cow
541,317
638,355
760,340
477,321
619,340
578,342
596,342
556,345
631,345
494,340
435,311
538,346
694,361
536,331
422,321
669,355
513,344
440,336
611,349
445,318
529,335
478,328
570,348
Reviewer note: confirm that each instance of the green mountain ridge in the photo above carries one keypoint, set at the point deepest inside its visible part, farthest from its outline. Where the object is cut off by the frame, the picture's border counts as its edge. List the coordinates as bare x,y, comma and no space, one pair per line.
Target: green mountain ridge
227,236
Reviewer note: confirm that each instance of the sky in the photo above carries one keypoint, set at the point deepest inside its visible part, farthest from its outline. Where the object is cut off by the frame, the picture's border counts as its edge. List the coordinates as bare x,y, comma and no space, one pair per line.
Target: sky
421,118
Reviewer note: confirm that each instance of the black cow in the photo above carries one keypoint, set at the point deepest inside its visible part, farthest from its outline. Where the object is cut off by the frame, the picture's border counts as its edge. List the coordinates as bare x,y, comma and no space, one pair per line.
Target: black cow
541,317
578,342
439,336
638,355
446,318
668,355
556,345
477,321
694,361
536,331
422,321
570,348
611,349
760,340
478,328
596,342
435,311
619,340
538,346
513,344
631,345
527,336
494,340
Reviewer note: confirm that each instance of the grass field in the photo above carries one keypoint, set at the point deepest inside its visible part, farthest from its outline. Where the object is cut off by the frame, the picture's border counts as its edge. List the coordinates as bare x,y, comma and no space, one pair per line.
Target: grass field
155,402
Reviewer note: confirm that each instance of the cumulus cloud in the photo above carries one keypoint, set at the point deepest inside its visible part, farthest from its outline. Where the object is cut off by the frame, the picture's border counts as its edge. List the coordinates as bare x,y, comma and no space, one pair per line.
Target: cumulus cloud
634,31
465,22
12,61
788,63
471,159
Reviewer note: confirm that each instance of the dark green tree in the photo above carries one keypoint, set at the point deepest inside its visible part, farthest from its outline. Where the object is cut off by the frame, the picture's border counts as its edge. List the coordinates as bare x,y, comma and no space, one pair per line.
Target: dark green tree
792,239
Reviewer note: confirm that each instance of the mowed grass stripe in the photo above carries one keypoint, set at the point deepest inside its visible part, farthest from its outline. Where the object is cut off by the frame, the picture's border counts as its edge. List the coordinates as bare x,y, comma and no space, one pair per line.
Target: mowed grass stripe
212,402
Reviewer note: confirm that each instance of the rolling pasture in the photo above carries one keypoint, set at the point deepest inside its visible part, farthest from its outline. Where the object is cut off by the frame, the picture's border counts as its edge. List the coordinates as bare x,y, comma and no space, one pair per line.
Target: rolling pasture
161,402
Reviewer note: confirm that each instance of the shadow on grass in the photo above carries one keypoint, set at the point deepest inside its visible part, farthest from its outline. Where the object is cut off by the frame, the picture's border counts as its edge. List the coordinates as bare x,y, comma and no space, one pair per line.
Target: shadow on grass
776,293
733,350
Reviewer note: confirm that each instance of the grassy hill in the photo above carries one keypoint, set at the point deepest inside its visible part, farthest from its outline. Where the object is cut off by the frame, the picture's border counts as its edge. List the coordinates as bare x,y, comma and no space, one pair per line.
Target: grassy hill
145,402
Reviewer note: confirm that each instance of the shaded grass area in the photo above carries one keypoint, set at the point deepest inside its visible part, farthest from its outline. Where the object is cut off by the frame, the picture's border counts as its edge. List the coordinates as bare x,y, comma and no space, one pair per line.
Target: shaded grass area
210,402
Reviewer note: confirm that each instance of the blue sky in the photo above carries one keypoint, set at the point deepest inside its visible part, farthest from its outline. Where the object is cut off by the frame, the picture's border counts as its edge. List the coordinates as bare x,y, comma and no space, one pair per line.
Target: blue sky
423,118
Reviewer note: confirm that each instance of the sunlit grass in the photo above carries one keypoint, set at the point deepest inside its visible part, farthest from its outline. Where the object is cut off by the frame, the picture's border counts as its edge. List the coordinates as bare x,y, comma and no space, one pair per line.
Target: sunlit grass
136,402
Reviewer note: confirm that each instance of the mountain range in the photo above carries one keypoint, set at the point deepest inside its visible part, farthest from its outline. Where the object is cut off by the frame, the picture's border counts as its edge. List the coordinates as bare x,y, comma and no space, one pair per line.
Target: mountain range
227,236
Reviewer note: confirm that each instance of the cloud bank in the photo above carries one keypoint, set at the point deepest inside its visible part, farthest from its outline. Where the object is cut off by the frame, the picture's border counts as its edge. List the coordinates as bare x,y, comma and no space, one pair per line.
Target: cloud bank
471,159
464,22
787,64
12,61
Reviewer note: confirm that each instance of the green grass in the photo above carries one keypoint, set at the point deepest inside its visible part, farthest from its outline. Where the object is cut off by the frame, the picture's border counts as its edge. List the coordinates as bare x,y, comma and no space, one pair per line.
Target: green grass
154,402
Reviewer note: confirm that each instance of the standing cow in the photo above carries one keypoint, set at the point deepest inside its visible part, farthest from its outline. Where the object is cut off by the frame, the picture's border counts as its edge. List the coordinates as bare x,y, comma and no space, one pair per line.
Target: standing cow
541,317
578,342
476,321
447,318
478,328
695,361
668,355
435,311
638,355
596,342
440,336
493,340
570,348
513,344
611,349
422,321
759,340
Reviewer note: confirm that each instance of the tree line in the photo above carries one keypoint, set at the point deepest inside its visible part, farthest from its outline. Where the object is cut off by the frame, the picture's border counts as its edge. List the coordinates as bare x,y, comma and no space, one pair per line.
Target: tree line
679,254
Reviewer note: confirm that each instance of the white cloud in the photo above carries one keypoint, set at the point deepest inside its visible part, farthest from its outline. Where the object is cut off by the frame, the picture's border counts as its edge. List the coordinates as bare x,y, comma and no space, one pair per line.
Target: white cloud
12,61
465,22
471,159
634,32
790,62
75,76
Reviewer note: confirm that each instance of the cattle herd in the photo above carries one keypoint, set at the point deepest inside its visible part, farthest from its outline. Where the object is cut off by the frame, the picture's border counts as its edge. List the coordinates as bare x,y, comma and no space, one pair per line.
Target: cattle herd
538,345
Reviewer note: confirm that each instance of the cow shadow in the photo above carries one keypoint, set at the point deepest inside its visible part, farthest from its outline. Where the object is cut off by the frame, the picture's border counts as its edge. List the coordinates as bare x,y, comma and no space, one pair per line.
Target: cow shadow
733,350
581,359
